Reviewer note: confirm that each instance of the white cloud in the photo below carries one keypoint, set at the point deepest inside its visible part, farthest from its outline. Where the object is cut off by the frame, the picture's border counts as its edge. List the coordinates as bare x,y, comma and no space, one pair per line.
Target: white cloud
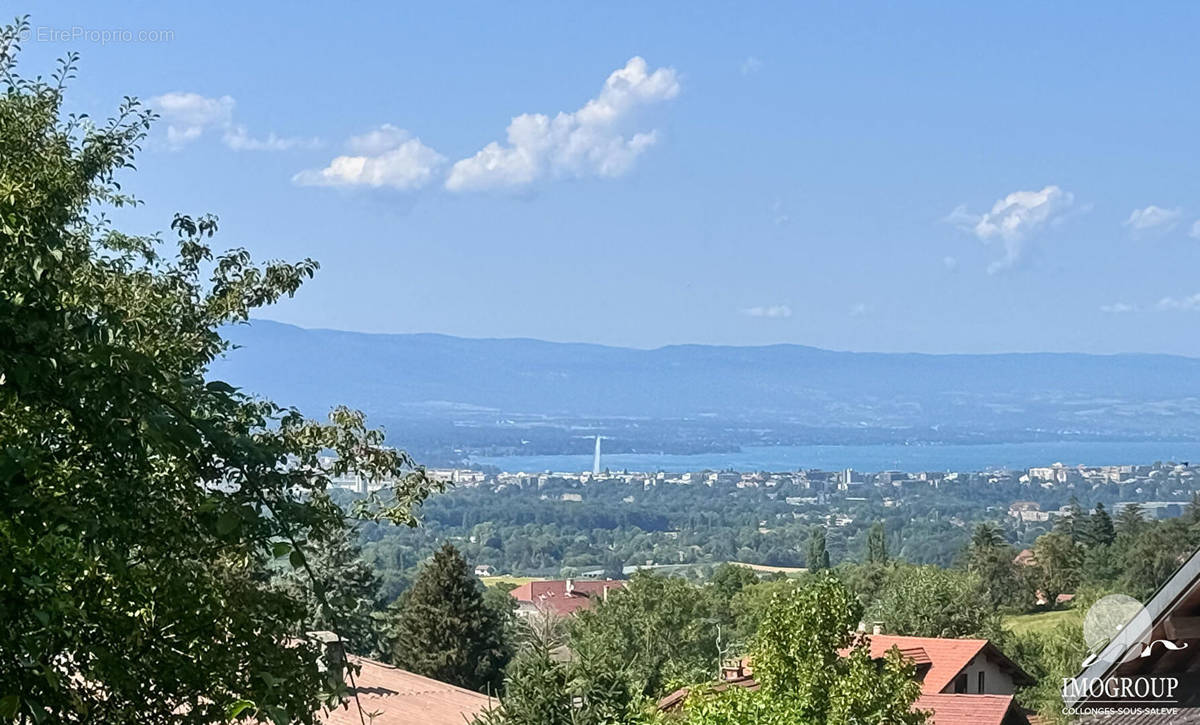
751,65
1195,232
591,141
239,139
384,157
1191,302
770,311
1013,220
1153,219
1118,308
189,115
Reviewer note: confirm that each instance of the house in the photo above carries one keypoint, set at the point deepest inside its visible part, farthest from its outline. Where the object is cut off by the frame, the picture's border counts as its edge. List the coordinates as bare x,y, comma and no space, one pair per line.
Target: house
386,695
963,681
482,570
562,597
955,666
1152,663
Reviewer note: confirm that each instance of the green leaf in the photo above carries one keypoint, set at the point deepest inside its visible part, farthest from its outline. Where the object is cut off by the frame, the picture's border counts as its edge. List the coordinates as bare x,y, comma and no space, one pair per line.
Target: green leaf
228,523
280,549
237,708
9,705
297,559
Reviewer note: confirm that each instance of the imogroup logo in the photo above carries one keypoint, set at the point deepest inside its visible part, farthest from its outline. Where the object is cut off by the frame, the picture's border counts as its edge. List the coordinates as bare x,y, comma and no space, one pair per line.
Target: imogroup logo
1109,617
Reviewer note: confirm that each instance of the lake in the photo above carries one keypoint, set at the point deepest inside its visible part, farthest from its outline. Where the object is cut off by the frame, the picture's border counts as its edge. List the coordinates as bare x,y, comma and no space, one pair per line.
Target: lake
923,457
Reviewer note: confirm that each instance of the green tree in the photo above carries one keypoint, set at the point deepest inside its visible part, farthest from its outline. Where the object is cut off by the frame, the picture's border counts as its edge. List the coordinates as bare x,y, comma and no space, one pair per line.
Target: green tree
349,584
877,552
142,505
1131,521
725,584
1059,564
927,601
987,536
990,558
1073,523
1100,530
818,557
442,627
1153,556
544,688
813,668
1049,656
659,631
751,605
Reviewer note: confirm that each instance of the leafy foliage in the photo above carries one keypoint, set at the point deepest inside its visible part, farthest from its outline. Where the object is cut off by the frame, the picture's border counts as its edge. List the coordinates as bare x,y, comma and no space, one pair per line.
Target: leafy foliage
818,555
544,688
877,552
926,601
658,631
813,668
143,504
349,585
444,629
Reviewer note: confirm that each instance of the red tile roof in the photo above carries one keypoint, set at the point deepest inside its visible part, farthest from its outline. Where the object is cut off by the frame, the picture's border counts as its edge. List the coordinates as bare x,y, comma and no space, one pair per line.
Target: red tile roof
947,656
401,697
552,595
968,709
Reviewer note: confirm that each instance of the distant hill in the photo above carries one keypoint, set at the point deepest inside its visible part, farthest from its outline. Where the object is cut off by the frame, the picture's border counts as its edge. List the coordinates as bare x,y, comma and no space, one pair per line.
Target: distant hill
447,378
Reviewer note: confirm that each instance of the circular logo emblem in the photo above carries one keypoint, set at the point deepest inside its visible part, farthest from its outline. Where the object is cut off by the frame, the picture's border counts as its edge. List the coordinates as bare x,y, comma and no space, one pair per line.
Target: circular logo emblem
1108,616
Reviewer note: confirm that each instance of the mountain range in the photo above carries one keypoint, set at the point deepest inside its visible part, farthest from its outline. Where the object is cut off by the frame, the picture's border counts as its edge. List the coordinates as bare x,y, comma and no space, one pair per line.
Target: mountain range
481,383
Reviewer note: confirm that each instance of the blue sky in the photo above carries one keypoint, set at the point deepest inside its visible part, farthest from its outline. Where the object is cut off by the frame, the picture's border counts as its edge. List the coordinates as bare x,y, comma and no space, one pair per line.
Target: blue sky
930,177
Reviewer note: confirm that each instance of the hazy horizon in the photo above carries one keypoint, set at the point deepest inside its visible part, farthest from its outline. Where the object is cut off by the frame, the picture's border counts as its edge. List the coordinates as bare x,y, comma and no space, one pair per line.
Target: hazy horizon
717,344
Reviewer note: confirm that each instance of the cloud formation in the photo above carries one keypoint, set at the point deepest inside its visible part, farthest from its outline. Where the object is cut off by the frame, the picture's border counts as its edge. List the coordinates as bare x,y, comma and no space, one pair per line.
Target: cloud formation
1191,302
777,312
592,141
1117,308
1195,231
190,115
1013,220
1153,219
383,157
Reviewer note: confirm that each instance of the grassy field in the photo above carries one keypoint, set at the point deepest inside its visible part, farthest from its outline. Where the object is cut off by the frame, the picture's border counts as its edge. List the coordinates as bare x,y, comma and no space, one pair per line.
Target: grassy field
516,581
1037,622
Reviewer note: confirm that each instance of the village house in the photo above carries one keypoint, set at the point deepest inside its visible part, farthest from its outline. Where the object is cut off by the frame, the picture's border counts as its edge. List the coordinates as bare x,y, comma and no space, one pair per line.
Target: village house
561,597
963,681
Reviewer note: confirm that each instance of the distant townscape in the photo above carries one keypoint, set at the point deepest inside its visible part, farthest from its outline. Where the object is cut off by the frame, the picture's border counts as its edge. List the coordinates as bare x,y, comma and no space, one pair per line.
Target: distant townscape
818,487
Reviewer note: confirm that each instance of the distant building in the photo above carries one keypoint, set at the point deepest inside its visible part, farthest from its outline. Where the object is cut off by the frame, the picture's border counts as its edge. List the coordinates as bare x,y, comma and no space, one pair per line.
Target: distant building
1028,511
562,597
484,570
1155,509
